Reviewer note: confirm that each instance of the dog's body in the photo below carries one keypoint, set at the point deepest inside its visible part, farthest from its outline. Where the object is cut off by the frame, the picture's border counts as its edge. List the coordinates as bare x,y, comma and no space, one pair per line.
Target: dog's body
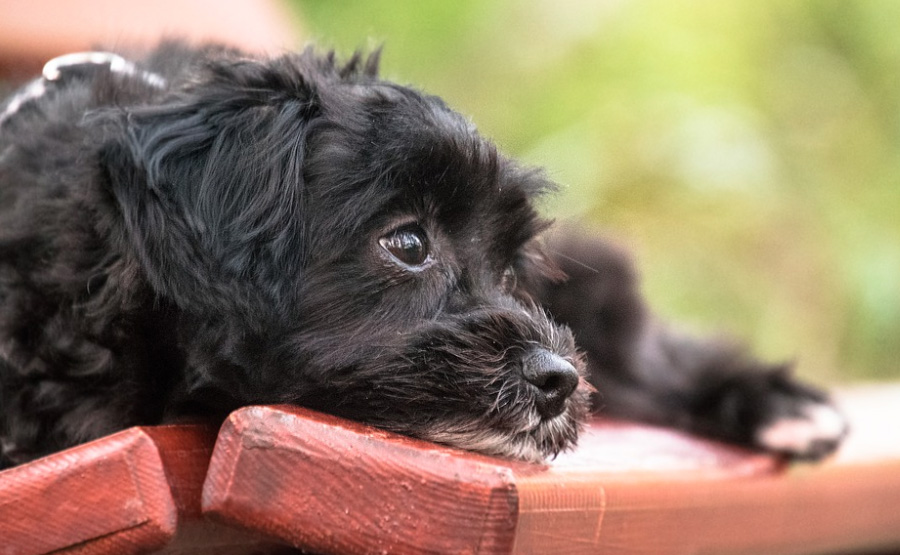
201,231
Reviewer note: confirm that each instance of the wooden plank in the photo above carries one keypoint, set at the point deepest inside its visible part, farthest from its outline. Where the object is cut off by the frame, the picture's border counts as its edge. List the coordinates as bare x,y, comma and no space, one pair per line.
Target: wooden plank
107,496
334,486
185,460
137,491
811,512
283,474
851,503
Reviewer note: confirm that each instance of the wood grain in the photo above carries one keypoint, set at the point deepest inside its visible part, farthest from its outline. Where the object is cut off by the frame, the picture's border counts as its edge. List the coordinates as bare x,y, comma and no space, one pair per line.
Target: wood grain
284,475
108,496
137,491
334,486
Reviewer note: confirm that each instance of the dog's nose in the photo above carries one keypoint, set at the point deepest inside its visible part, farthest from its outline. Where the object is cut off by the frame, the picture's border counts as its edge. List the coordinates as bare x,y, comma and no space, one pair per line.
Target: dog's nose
553,378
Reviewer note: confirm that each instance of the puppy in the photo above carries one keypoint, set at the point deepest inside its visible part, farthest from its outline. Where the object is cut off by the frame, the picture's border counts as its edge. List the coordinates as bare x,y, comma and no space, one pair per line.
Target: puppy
199,230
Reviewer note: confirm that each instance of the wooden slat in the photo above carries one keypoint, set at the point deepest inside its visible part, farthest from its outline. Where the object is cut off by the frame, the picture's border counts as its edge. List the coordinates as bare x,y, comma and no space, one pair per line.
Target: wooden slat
185,460
282,474
137,491
333,486
849,504
108,496
644,504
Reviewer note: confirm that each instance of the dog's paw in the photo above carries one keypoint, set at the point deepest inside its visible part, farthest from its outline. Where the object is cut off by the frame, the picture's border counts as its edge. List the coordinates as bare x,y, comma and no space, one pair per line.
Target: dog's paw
801,427
767,409
812,434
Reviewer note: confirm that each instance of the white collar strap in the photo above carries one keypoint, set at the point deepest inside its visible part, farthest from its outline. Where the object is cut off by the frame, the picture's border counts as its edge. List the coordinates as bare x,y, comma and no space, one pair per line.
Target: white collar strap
117,64
54,69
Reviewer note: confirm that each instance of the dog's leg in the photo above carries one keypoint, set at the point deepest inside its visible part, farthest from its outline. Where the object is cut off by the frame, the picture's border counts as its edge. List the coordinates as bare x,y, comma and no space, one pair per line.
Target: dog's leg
644,370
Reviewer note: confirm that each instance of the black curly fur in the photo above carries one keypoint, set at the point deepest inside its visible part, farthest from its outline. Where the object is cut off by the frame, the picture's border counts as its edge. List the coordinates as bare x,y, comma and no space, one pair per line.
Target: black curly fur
214,242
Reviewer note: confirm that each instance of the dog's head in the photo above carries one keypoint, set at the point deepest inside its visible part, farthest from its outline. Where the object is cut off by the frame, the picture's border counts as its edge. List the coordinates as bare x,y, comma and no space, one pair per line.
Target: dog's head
333,240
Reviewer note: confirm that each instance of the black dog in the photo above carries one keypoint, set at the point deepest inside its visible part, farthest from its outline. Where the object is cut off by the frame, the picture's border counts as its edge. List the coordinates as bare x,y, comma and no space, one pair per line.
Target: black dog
201,230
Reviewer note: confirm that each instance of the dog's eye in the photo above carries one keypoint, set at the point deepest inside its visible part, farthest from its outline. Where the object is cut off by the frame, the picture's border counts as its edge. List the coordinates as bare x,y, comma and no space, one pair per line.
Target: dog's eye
408,244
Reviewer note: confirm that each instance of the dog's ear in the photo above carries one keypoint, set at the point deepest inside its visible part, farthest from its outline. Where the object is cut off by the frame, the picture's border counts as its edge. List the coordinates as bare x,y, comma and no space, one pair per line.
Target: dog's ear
534,269
210,192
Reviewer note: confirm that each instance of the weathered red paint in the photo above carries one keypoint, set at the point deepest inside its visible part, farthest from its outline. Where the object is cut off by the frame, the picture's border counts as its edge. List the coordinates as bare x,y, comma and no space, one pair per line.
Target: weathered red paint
284,475
332,486
108,496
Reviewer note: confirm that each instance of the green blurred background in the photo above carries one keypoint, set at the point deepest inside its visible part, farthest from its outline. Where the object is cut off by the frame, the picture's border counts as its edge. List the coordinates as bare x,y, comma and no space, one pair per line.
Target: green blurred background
748,152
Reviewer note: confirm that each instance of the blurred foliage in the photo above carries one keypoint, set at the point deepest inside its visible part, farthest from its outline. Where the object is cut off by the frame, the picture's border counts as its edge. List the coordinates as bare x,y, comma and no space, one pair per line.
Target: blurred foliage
747,151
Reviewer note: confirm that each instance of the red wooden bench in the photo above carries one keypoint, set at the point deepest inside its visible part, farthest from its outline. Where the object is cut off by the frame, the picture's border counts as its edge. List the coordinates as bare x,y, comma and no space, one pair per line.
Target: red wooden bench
284,476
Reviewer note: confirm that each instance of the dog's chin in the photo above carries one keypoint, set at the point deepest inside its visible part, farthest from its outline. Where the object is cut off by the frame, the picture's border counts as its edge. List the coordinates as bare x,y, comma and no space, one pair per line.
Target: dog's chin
539,440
